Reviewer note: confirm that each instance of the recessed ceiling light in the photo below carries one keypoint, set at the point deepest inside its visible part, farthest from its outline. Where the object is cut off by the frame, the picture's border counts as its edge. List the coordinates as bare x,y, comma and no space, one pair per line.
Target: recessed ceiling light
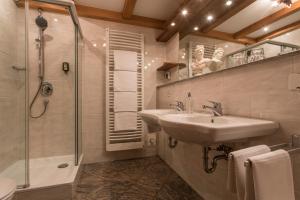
173,24
184,12
288,34
226,46
55,19
104,44
210,18
266,29
94,45
228,3
196,28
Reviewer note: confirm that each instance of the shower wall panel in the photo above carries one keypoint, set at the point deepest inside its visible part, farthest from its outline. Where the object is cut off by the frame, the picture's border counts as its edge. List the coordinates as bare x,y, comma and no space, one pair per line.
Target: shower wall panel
54,133
12,84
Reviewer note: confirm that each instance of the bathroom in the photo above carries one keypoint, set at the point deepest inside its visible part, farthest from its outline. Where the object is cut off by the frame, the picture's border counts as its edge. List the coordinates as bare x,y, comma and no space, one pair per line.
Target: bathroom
139,99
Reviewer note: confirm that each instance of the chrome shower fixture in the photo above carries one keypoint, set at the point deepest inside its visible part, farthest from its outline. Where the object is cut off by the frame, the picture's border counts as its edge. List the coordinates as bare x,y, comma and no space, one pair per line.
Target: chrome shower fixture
44,88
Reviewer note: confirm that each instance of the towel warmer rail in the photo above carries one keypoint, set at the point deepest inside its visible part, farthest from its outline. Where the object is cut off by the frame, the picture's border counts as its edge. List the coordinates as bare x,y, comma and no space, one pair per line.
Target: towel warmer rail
128,41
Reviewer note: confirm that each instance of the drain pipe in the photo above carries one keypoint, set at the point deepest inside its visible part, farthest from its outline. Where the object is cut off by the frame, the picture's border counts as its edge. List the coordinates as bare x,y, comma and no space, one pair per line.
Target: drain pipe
214,163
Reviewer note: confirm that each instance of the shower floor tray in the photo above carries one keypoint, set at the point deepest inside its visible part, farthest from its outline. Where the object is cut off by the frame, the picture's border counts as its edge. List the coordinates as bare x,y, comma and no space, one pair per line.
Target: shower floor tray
44,172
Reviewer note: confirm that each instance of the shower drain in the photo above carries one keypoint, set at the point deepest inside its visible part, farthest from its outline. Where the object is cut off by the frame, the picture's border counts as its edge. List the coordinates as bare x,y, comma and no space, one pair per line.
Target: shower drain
64,165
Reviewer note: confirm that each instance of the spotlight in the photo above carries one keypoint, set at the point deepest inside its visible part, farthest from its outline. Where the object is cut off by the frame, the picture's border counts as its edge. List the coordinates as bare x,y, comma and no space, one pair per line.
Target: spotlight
228,3
184,12
210,18
266,29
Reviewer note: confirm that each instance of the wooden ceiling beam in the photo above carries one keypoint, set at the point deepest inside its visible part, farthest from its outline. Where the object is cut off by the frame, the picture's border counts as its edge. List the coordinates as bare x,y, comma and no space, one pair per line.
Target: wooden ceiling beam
279,32
44,6
97,13
268,20
214,8
193,7
128,8
236,8
226,37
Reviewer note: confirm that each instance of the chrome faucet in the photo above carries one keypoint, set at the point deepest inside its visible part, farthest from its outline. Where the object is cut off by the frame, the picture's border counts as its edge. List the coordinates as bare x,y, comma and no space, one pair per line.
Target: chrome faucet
216,108
179,106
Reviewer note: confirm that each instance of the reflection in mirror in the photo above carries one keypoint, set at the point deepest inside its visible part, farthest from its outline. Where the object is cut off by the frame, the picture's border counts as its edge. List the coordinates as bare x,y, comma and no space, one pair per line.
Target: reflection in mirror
203,55
217,36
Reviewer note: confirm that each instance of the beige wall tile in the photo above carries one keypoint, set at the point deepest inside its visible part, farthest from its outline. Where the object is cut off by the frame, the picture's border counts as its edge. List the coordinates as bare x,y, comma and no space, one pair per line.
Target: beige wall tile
94,86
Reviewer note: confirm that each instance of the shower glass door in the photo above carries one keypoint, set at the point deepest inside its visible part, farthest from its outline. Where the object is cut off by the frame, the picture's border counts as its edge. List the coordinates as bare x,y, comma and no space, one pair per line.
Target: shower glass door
13,152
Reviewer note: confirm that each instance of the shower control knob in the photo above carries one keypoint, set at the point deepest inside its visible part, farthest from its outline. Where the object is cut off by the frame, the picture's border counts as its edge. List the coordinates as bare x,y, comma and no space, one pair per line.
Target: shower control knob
47,89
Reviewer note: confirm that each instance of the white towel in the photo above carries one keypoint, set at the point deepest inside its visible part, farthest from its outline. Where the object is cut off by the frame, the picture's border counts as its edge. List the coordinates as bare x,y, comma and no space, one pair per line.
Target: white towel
125,121
125,101
125,81
236,169
125,60
272,177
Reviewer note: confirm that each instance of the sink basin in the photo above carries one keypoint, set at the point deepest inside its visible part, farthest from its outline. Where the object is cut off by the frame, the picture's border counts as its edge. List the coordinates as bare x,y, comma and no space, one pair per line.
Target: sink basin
151,117
205,129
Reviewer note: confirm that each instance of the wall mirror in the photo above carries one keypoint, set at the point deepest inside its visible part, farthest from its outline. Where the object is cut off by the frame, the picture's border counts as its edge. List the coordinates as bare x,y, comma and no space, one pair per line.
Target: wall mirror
225,35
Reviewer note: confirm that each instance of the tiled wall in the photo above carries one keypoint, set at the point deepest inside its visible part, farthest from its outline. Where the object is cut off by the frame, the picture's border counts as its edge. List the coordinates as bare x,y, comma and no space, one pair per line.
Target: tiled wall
54,133
258,90
94,86
12,82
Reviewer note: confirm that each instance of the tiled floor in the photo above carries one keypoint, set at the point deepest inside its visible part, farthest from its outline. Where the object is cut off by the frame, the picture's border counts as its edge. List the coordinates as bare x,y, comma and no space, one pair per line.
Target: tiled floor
138,179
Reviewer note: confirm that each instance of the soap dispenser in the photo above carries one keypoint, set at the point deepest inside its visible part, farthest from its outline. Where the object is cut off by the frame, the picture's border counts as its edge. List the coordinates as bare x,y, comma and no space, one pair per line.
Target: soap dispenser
189,103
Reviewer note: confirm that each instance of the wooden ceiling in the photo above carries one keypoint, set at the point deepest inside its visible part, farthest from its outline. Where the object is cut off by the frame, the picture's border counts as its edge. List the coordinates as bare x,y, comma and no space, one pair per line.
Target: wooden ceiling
197,12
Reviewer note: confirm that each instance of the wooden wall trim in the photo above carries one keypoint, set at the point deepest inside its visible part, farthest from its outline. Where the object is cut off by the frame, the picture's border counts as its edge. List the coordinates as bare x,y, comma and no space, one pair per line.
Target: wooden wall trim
279,32
97,13
226,36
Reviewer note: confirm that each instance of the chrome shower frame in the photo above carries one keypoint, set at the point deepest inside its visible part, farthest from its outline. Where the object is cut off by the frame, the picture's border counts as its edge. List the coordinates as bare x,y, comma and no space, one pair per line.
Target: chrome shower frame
70,5
72,10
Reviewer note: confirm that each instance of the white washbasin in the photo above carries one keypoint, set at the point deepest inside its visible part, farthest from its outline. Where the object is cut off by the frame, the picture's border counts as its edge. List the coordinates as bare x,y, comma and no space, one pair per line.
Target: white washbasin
205,129
151,117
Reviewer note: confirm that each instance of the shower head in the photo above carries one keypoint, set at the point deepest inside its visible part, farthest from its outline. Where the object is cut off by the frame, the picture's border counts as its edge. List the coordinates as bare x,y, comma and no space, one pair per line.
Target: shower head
41,22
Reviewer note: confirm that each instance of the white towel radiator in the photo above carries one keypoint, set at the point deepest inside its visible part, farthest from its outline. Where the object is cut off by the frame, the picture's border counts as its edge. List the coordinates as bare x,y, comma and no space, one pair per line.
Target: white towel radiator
127,41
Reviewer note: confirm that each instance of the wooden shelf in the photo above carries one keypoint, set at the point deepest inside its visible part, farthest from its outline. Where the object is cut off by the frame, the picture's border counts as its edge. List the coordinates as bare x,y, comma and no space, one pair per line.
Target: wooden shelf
168,65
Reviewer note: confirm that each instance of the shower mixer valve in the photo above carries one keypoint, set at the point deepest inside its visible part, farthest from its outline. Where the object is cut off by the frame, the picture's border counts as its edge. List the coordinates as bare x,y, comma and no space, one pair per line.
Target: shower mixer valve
47,89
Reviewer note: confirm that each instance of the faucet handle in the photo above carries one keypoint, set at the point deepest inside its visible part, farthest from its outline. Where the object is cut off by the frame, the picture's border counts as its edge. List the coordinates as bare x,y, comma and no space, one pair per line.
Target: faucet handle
179,102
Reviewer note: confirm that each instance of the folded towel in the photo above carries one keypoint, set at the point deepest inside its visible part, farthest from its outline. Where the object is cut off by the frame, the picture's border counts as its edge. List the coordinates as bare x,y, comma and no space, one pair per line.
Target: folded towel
125,81
125,60
272,177
125,121
236,169
125,101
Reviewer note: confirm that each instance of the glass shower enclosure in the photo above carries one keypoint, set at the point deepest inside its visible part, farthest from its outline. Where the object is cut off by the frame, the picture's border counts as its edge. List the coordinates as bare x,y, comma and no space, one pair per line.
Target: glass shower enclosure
40,91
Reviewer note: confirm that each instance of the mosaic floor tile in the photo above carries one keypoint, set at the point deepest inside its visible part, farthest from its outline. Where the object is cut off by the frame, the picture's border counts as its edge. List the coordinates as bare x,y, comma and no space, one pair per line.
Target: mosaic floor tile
137,179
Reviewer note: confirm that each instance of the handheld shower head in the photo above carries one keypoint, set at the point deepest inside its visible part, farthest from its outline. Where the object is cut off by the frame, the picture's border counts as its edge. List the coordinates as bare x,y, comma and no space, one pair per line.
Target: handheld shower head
41,22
